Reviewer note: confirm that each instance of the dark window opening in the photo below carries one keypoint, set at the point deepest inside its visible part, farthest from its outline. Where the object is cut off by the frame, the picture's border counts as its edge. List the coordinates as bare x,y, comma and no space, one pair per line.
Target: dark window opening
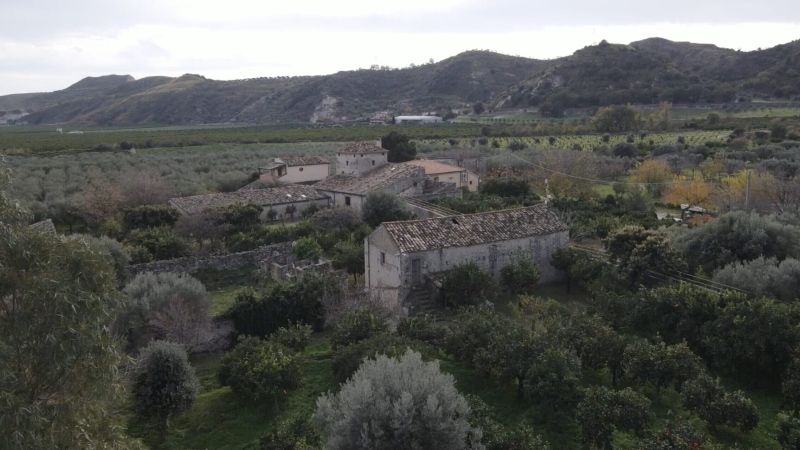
383,258
301,169
347,201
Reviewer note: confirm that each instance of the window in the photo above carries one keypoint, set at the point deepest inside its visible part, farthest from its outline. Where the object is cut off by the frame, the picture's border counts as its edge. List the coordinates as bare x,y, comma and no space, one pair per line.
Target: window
347,201
347,163
435,178
373,162
383,258
415,184
301,169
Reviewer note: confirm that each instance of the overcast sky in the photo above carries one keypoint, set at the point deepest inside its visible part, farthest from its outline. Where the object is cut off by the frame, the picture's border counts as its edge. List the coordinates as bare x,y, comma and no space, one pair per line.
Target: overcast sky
47,45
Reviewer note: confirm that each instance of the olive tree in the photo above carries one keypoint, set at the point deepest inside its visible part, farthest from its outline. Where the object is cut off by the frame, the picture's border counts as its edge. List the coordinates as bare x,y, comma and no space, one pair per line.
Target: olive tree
402,403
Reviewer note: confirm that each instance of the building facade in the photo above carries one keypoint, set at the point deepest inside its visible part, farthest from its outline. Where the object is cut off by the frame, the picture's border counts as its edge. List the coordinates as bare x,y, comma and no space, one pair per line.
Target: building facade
401,256
295,169
446,173
360,158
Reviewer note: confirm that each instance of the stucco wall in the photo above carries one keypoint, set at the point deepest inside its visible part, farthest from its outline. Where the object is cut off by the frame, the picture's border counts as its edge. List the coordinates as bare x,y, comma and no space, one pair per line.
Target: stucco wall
339,199
359,163
473,181
382,278
304,174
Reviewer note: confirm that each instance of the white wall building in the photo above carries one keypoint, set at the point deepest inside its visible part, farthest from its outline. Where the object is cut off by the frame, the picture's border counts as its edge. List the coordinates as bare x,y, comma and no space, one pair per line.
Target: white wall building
446,173
417,119
295,169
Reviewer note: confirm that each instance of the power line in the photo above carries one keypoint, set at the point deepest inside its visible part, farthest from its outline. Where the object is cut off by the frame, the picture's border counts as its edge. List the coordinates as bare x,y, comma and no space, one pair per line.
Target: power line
598,180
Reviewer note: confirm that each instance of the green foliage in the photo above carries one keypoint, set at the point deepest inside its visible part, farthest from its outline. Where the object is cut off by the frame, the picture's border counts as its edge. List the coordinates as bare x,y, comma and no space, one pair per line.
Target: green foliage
297,434
149,216
265,235
390,402
505,187
640,252
349,256
423,328
240,217
660,364
294,337
737,236
399,146
705,397
382,207
496,436
521,276
788,431
155,244
596,344
59,381
578,267
357,325
339,221
616,119
791,386
260,370
306,248
111,247
553,380
282,304
467,284
346,359
763,276
163,383
165,305
603,410
675,436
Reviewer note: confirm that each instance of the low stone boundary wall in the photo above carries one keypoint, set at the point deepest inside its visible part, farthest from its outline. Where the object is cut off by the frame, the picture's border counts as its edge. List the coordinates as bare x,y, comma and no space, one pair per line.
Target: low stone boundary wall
188,264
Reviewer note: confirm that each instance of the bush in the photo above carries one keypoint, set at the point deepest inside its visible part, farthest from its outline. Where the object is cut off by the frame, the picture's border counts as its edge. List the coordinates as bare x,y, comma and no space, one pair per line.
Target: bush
399,146
466,284
306,248
297,434
166,306
113,248
347,359
705,397
159,243
788,431
520,277
510,187
294,337
259,370
356,326
423,328
163,383
553,380
390,401
240,217
149,216
382,207
282,304
603,410
764,276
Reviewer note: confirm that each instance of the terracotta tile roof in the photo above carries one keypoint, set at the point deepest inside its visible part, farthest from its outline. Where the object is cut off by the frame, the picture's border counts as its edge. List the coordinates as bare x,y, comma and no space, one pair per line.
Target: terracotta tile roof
473,229
262,197
433,167
311,160
363,147
374,180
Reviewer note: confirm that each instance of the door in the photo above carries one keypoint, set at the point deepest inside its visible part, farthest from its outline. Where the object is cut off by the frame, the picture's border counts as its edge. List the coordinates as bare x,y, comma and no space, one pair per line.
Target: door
415,272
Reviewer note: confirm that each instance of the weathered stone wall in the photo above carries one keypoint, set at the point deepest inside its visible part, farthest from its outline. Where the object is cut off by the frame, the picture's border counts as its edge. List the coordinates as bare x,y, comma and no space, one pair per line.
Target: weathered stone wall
188,264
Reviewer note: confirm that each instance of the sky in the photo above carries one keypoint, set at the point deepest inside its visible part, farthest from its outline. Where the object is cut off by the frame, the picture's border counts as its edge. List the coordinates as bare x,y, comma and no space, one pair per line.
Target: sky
47,45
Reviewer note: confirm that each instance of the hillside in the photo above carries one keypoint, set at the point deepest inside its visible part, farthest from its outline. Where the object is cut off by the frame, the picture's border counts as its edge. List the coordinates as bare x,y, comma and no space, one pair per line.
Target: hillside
655,70
643,72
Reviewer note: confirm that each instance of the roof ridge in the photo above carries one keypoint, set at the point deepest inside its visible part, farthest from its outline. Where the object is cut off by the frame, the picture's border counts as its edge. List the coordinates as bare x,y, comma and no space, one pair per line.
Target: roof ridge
468,214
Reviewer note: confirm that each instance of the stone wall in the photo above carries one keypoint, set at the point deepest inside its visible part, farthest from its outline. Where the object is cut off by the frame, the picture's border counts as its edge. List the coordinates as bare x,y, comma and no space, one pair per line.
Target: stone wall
189,264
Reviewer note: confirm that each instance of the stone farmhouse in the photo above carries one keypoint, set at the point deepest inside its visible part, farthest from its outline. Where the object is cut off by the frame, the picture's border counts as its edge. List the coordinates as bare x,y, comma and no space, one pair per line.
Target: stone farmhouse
295,169
287,201
446,173
363,168
404,256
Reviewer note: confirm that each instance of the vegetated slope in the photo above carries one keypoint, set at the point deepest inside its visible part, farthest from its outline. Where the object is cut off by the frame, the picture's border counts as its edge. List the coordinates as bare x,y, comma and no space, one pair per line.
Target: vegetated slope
655,70
643,72
457,81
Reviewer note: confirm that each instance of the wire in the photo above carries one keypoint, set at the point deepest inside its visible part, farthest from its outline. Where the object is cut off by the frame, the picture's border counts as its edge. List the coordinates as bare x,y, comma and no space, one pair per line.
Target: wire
598,180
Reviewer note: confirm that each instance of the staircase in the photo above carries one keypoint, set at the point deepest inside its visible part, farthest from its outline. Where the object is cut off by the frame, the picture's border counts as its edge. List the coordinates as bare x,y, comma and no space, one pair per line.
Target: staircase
421,302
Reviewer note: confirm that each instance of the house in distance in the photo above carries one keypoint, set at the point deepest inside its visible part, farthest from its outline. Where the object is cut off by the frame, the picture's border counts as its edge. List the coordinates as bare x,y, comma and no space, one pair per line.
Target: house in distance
295,169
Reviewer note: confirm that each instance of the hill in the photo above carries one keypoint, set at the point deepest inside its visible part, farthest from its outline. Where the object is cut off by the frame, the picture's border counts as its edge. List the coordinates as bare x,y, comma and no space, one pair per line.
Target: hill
655,70
643,72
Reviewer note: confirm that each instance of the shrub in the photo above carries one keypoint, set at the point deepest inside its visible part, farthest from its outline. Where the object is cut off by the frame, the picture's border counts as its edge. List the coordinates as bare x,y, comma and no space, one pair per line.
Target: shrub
294,337
520,277
788,431
347,359
240,217
149,216
296,434
705,397
390,401
510,187
399,146
466,284
764,276
382,207
553,380
259,370
160,243
306,248
163,383
111,247
356,326
603,410
282,304
166,306
423,328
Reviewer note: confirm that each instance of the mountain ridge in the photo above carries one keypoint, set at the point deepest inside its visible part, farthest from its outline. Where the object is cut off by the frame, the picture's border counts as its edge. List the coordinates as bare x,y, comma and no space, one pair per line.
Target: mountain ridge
645,71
